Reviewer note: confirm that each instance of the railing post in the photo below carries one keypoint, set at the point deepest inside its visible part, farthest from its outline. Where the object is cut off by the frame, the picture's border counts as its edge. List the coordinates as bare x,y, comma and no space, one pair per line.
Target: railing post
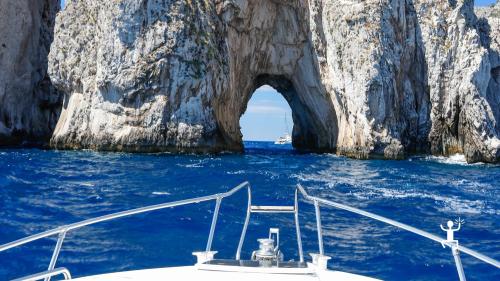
297,226
450,241
245,225
214,222
318,225
56,252
458,262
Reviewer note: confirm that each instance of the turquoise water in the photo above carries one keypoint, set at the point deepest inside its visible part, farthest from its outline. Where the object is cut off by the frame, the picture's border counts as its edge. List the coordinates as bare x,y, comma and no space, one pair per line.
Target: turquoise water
41,189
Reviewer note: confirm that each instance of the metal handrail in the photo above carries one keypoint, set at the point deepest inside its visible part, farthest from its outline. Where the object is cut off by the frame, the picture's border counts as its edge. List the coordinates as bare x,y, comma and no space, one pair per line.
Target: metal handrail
62,230
270,210
73,226
47,274
316,201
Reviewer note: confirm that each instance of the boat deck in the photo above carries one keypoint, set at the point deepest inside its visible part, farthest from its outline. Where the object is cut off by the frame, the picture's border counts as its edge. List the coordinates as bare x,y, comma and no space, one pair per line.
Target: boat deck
226,273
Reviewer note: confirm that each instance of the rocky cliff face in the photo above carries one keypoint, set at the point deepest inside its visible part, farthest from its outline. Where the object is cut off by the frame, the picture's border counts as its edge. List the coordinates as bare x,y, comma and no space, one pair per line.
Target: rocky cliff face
139,75
489,28
29,105
413,76
363,78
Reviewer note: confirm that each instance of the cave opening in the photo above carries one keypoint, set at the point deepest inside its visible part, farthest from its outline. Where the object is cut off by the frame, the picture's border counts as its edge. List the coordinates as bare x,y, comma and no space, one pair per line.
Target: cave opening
268,118
314,121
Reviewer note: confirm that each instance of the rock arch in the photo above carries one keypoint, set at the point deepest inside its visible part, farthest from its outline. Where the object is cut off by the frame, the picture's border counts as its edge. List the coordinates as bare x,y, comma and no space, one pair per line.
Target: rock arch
269,42
364,78
315,127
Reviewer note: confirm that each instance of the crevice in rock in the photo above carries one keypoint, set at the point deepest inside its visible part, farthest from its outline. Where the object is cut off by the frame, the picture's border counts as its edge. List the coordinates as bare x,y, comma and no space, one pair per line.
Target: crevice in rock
495,74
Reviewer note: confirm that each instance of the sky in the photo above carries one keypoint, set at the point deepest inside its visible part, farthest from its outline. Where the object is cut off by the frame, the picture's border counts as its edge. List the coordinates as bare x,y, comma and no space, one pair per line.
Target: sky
484,2
264,119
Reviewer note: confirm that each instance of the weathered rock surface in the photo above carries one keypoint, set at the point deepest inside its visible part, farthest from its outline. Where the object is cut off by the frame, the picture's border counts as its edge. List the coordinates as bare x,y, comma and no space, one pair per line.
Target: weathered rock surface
489,28
363,78
29,105
139,75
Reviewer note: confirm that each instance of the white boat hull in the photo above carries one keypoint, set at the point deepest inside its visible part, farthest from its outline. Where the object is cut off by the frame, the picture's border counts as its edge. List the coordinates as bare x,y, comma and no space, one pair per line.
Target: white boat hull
227,273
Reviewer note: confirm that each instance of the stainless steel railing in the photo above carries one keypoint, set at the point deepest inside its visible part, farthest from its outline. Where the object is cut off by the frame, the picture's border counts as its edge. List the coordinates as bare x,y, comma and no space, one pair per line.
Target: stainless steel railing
47,274
453,245
62,230
316,201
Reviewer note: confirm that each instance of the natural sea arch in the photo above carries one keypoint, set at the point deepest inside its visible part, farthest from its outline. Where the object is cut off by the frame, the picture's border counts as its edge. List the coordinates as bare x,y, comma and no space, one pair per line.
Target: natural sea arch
150,76
315,125
270,43
188,93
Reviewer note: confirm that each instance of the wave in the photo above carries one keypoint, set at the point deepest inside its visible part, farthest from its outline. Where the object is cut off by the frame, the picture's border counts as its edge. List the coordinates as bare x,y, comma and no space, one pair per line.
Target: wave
455,159
464,196
19,180
84,183
239,172
160,193
194,165
448,204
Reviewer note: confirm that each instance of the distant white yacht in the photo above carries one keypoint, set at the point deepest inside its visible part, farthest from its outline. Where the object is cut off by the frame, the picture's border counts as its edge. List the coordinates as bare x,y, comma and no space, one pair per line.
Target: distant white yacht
287,138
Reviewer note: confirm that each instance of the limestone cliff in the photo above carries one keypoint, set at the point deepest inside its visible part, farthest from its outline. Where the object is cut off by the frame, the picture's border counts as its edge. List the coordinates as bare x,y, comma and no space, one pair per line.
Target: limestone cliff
374,78
489,26
29,105
139,75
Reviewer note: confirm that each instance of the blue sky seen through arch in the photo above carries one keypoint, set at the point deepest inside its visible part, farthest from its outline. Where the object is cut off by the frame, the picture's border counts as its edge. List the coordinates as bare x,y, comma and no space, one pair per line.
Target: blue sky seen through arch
264,119
484,2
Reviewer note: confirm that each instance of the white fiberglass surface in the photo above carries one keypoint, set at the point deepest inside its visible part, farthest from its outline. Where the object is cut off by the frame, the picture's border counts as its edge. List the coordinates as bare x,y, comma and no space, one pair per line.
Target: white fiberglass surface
193,273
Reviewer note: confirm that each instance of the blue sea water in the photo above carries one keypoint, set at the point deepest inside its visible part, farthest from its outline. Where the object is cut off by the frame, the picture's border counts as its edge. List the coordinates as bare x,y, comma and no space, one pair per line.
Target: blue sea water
40,190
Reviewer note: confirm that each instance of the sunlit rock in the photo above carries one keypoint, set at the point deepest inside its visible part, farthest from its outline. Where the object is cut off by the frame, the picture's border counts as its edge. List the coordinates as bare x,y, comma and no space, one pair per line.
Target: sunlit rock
363,78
